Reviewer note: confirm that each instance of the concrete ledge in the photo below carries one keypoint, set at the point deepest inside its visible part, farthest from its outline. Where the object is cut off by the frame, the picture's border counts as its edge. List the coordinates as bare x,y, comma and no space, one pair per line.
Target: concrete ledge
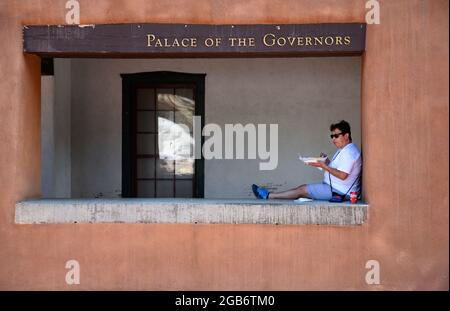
202,211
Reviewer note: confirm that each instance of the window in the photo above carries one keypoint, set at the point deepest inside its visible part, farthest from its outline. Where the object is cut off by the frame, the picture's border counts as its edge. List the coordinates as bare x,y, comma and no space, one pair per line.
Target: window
158,141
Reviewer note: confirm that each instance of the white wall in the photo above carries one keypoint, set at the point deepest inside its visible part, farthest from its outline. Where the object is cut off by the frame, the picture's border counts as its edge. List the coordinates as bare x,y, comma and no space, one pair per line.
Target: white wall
62,121
303,95
55,132
47,135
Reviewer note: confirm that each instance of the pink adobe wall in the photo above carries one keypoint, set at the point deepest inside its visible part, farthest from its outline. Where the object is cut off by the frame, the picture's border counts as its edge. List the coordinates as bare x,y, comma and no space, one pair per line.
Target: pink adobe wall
405,146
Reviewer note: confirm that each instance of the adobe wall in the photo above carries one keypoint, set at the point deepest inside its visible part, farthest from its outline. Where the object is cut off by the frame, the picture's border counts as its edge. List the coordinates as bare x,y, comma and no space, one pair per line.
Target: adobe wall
405,143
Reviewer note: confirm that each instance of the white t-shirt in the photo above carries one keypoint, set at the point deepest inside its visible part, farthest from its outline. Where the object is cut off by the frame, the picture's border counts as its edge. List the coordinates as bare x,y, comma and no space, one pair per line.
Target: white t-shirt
348,160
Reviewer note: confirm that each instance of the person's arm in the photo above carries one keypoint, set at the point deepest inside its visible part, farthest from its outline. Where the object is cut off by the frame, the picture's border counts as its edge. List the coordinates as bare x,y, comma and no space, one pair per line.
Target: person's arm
336,173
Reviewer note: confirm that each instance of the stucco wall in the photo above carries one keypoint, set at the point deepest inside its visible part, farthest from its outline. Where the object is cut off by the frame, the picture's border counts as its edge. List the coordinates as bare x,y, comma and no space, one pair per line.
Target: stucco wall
302,95
404,109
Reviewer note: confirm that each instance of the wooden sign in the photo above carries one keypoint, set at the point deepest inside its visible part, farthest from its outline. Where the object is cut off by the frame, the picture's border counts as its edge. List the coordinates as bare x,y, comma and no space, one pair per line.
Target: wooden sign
172,40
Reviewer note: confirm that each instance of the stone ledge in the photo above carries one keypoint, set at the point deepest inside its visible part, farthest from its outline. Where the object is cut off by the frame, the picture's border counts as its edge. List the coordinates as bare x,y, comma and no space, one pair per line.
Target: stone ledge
201,211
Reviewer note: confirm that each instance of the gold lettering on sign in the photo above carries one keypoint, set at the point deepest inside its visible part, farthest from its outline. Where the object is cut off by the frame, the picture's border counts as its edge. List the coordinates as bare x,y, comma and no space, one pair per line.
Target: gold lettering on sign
175,42
318,40
329,40
268,40
150,39
241,42
153,41
281,41
308,41
209,42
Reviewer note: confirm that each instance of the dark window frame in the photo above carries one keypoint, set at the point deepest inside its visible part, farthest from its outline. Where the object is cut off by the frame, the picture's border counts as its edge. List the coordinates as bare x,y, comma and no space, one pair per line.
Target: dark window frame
130,83
47,66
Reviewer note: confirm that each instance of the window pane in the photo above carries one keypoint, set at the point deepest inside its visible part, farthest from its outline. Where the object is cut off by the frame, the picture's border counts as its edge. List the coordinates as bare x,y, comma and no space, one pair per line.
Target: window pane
145,168
186,93
185,107
183,189
184,169
184,118
165,118
146,121
183,147
165,99
167,131
146,99
164,169
146,144
146,189
164,188
165,122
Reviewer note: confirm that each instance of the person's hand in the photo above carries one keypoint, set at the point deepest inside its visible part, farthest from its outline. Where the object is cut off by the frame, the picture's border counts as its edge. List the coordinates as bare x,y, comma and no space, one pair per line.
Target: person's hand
323,155
322,165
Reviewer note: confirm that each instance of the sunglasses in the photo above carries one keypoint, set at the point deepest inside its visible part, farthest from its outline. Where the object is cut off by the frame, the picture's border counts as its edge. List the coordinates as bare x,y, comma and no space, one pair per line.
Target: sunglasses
336,135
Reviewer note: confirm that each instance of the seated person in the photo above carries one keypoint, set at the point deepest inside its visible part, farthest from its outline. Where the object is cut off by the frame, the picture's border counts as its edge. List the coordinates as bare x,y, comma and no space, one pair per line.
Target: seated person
341,176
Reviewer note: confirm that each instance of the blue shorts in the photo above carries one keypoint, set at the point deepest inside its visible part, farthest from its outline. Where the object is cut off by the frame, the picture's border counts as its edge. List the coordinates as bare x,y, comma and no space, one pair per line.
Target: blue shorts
320,191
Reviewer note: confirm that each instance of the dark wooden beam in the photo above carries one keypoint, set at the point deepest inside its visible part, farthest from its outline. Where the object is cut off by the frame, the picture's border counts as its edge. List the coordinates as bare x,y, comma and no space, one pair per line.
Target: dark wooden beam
179,40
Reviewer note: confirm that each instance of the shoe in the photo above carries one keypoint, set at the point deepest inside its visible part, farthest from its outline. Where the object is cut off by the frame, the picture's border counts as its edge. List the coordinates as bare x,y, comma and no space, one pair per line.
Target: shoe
260,192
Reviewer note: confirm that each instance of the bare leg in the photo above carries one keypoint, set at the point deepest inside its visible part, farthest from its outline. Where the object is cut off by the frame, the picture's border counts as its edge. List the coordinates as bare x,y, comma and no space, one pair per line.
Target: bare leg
292,194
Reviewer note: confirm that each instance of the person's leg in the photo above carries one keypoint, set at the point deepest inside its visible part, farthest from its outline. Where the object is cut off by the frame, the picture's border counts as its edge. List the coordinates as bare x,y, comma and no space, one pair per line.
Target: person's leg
319,191
292,194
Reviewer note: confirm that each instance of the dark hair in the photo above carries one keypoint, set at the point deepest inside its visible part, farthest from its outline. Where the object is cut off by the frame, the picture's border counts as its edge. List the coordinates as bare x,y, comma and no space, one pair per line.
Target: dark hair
344,127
